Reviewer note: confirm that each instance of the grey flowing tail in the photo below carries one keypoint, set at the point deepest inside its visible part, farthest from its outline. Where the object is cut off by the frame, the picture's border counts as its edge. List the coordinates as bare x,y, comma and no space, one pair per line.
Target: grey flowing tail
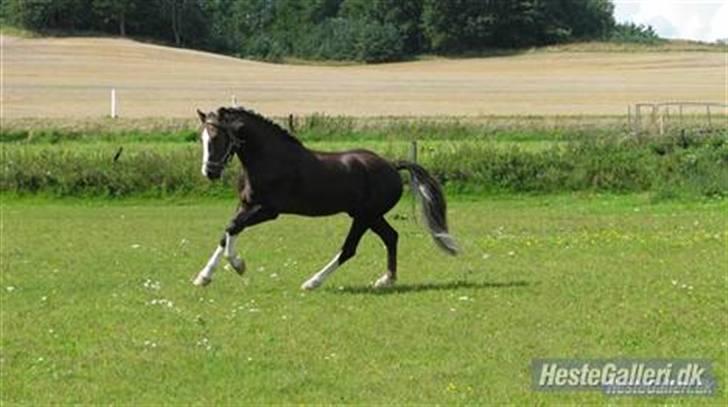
429,194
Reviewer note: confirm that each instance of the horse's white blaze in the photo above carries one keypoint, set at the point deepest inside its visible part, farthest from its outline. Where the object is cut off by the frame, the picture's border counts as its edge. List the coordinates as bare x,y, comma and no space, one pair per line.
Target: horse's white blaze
205,150
205,275
321,276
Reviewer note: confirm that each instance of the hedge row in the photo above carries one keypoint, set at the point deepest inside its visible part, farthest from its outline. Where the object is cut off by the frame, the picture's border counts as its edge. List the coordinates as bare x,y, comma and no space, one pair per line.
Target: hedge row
697,165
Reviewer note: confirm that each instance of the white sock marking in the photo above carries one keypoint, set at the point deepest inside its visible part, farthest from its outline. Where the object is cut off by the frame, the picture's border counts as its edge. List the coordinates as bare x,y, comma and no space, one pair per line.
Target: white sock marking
384,281
230,246
205,150
206,274
321,276
235,261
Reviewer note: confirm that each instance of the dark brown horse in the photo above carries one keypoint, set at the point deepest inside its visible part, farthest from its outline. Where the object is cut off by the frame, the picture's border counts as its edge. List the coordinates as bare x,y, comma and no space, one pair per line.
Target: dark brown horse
282,176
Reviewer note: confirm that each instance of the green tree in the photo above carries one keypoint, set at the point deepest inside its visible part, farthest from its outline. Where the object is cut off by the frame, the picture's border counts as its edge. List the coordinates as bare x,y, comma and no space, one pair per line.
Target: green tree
114,11
404,15
378,42
186,22
443,23
631,32
366,30
44,15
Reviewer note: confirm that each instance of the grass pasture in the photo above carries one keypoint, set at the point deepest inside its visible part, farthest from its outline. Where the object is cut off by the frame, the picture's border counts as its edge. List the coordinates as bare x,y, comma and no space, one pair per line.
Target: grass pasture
97,305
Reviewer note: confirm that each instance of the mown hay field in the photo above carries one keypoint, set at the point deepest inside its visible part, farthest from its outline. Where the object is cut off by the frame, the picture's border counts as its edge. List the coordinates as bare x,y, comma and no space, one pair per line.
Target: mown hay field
72,77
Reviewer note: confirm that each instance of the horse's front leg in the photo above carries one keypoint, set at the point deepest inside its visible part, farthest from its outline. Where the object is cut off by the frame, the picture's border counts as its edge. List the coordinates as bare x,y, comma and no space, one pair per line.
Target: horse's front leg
247,216
236,262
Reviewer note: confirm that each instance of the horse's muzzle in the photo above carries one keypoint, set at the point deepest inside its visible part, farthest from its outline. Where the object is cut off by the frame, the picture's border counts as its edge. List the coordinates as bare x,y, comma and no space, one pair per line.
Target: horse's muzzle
212,172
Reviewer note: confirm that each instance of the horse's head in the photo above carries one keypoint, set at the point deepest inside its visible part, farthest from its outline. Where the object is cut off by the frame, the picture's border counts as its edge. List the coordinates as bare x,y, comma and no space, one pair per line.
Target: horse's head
219,138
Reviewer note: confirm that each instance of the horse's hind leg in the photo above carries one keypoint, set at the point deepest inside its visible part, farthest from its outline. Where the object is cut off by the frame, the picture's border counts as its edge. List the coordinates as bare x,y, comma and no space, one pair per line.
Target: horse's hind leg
247,216
390,237
348,250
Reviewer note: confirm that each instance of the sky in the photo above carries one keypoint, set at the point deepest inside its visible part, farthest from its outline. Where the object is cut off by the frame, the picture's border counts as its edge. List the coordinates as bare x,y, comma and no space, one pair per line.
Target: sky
702,20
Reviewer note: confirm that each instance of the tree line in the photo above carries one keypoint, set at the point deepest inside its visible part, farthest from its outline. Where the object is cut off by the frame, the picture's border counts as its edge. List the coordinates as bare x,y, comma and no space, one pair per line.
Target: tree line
360,30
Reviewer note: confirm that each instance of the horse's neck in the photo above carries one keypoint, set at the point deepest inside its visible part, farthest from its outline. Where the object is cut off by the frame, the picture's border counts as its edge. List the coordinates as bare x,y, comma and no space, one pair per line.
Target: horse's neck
276,150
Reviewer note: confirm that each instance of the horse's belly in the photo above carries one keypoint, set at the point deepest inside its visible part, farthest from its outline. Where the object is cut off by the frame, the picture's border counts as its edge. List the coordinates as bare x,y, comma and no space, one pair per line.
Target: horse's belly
325,202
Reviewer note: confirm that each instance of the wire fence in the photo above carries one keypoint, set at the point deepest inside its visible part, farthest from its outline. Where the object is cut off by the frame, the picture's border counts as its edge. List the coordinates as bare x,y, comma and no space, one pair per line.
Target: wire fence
665,117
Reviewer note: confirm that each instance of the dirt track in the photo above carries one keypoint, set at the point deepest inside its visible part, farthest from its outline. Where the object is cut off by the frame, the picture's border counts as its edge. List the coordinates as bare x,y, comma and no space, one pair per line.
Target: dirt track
71,77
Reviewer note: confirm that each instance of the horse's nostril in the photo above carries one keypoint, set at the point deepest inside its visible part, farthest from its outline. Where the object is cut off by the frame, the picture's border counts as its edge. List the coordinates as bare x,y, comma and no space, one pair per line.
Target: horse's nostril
211,173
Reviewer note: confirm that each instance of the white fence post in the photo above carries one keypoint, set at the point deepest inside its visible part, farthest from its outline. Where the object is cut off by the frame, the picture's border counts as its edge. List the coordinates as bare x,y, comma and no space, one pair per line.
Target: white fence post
234,101
113,103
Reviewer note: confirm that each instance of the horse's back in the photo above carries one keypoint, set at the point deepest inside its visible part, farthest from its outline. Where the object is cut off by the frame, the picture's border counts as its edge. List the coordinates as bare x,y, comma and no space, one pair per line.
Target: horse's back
358,182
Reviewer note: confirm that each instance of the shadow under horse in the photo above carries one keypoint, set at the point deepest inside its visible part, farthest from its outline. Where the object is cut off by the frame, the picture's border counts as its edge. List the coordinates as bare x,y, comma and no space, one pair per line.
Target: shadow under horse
281,176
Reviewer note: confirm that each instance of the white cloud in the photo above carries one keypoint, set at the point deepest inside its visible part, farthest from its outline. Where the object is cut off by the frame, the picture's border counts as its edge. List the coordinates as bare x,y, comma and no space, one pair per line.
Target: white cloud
719,24
703,20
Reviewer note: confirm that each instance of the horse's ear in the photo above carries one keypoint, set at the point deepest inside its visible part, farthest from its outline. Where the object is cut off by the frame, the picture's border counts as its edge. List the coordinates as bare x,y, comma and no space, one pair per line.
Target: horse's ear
202,116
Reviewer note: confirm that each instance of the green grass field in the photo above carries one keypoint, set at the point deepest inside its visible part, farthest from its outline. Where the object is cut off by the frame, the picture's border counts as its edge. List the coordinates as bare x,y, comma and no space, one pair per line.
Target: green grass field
97,304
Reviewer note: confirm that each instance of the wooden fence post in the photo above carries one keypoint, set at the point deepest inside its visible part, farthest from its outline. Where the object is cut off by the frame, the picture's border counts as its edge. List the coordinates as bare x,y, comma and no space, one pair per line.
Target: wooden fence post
710,123
681,115
637,119
629,117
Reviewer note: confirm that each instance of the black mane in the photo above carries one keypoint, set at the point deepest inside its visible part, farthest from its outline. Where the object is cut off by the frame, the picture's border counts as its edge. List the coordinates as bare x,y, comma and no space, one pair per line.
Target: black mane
231,113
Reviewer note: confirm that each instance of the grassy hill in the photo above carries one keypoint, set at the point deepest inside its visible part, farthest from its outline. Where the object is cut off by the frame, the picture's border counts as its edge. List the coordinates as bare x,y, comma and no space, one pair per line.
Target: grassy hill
72,76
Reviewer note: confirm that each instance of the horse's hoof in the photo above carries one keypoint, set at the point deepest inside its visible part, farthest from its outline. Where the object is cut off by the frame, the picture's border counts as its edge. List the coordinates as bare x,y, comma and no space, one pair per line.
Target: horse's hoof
311,285
201,281
384,282
238,265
